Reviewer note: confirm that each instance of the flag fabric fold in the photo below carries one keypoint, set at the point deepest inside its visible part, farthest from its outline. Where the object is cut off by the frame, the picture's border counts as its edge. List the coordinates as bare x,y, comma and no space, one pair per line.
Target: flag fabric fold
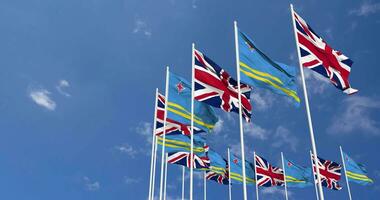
318,56
356,172
259,70
267,174
215,86
297,176
237,173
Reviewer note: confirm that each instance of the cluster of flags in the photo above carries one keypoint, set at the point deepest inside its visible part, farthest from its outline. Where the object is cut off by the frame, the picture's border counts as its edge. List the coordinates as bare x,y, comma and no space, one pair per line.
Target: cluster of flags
188,109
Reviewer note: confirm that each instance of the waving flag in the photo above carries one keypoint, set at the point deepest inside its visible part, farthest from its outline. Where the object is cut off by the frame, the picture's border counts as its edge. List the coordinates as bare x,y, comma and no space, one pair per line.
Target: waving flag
259,70
268,175
317,55
356,172
175,143
329,172
214,86
172,127
237,173
184,158
219,178
297,176
179,105
218,168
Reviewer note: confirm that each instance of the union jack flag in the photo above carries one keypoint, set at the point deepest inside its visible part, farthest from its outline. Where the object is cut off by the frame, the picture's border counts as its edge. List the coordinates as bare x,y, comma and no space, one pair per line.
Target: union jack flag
214,86
317,55
172,127
217,177
268,175
329,172
185,159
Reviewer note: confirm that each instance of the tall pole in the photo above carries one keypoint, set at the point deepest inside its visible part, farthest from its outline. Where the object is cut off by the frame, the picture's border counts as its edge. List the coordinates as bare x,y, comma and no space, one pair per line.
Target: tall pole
314,148
192,122
312,169
183,182
229,174
345,172
166,174
164,132
204,186
154,167
152,161
240,111
256,184
283,168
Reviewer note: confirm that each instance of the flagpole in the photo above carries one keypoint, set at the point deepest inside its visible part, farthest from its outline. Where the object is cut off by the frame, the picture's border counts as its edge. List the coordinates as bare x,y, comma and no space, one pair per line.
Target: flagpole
240,111
151,184
314,148
257,187
229,174
283,168
164,132
192,122
345,172
315,186
183,182
154,167
204,186
166,174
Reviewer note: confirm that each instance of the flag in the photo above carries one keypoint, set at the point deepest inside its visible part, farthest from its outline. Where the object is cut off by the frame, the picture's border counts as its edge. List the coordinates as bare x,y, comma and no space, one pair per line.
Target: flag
214,86
356,172
329,172
172,127
259,70
219,178
179,105
296,175
199,161
268,175
317,55
218,164
174,143
237,173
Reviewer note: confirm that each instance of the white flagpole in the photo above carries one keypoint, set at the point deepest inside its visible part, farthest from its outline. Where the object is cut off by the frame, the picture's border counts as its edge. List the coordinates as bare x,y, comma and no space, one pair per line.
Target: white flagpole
164,132
151,184
192,121
154,167
315,185
283,168
229,174
314,148
183,182
257,186
240,112
166,174
345,172
204,186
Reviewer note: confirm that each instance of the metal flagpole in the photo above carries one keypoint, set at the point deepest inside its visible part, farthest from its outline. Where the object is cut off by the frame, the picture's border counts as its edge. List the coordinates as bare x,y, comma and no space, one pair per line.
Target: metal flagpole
257,186
164,132
183,182
166,174
240,111
314,148
315,186
192,121
345,172
154,167
204,186
229,174
153,148
283,168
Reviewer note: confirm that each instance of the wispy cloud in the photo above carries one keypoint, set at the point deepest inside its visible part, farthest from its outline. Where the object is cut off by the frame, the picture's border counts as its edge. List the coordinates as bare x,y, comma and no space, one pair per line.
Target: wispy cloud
127,149
355,115
262,100
218,128
145,130
317,83
142,28
366,8
194,4
274,191
130,180
255,131
62,85
91,185
41,97
283,137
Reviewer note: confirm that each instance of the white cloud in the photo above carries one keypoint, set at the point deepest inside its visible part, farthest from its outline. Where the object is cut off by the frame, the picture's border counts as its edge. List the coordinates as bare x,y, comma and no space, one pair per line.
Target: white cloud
366,8
255,131
315,82
62,84
194,4
91,185
41,97
262,100
218,128
145,129
129,180
272,191
127,149
141,27
283,137
355,115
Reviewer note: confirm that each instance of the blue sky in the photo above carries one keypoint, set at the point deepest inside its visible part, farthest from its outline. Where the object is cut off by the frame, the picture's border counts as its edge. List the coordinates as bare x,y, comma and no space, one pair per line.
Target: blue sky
77,88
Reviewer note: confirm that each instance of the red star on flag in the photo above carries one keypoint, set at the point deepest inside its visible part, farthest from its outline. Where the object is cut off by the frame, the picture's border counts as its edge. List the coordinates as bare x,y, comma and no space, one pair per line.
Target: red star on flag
235,161
180,87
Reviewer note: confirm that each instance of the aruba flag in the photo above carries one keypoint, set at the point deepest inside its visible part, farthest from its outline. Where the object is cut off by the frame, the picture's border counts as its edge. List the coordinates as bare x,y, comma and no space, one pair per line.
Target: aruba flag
237,173
259,70
356,172
174,143
297,176
179,105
